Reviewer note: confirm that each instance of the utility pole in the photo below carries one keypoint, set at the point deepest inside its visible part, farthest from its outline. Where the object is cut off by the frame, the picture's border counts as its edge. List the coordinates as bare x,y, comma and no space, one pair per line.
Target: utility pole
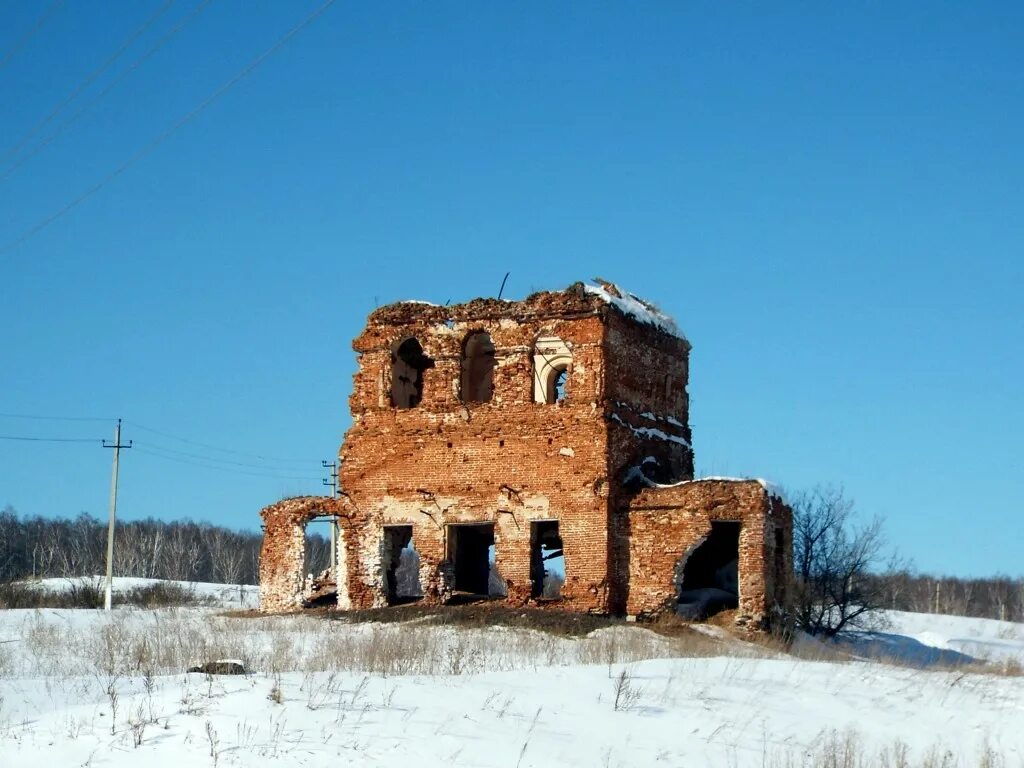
331,482
117,446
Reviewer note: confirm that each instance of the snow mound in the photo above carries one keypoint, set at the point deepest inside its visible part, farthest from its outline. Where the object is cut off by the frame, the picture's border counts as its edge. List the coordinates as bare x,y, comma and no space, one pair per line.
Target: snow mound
984,639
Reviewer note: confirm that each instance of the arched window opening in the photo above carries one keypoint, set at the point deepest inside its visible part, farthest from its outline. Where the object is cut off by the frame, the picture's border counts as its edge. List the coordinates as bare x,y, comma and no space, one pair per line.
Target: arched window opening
708,580
408,363
478,362
551,363
556,392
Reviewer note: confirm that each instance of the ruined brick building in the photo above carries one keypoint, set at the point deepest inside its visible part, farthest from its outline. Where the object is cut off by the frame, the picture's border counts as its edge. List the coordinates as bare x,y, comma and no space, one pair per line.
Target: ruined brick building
494,440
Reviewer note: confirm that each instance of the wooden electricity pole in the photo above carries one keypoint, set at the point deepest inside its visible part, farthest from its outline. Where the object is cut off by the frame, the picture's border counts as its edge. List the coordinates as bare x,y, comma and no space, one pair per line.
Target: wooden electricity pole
117,446
332,483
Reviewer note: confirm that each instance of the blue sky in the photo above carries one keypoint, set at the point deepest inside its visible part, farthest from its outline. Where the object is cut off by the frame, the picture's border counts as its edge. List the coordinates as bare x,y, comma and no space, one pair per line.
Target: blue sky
828,200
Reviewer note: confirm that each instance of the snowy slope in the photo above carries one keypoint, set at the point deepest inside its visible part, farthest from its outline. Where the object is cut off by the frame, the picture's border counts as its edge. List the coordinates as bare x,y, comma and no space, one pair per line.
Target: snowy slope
924,639
985,639
707,712
327,692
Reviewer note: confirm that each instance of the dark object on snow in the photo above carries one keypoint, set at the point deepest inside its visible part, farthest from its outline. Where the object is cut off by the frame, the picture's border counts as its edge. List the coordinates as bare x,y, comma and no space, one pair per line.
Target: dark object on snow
699,604
222,667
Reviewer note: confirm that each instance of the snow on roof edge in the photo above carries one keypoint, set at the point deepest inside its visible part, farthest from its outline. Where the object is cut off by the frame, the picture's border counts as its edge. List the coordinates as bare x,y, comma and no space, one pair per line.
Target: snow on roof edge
637,308
770,488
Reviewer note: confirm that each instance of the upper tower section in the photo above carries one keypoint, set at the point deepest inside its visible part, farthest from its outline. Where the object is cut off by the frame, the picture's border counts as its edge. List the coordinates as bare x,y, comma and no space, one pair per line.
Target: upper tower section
486,353
591,357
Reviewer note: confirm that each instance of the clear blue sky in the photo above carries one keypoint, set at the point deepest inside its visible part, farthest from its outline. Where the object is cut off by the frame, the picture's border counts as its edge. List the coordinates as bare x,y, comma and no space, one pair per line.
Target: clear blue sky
829,201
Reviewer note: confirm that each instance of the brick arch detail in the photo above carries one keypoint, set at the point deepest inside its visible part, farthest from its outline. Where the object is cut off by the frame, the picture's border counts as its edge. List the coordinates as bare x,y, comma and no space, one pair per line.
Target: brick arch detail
283,552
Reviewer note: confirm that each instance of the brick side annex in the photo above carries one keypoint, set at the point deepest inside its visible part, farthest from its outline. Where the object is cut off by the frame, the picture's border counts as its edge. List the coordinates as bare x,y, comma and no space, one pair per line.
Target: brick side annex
497,445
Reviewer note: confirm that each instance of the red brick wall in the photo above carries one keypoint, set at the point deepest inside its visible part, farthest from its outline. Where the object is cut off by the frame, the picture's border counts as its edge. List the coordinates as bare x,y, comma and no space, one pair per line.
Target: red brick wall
507,461
666,524
511,461
282,584
648,374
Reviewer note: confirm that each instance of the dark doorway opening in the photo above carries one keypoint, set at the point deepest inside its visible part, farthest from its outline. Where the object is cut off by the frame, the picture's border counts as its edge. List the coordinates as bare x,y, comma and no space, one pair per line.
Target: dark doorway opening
319,586
401,565
709,581
471,548
780,556
547,560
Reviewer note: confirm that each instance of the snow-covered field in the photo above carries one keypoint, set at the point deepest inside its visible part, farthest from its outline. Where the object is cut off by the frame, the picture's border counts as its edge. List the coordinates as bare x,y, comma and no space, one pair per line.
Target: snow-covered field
223,595
86,688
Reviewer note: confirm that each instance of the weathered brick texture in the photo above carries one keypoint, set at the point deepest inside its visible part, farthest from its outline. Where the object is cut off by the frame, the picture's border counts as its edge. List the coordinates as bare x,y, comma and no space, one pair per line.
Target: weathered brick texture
510,461
666,524
282,582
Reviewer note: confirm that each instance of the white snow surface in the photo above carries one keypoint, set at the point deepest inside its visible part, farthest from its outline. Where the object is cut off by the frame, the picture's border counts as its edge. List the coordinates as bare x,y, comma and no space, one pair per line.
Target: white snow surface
633,306
983,639
224,595
503,697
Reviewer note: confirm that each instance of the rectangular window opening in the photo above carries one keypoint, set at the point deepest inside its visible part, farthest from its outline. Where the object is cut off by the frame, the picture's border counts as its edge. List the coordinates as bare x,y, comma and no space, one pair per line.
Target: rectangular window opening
780,560
401,564
547,560
320,587
471,550
710,575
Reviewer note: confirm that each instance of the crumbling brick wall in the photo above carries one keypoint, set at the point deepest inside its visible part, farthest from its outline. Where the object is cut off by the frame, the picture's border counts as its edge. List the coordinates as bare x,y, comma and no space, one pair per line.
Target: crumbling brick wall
283,584
509,461
648,404
434,461
665,525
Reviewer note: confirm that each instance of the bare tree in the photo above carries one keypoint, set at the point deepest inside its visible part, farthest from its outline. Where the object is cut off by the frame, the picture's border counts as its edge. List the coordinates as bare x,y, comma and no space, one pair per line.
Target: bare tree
184,551
227,556
834,556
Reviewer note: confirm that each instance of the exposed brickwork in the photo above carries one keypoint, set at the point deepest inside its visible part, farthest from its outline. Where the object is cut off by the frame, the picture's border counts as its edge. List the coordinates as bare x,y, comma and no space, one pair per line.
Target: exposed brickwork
510,460
283,585
664,525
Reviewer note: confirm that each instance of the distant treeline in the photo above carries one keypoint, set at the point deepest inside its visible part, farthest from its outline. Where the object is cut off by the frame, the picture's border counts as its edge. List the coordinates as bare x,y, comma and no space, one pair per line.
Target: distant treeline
997,597
182,550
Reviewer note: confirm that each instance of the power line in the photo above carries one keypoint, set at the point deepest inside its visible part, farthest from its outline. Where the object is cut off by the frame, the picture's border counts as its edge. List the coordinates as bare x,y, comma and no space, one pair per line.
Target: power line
50,10
146,150
52,439
89,79
51,418
66,124
150,452
210,447
200,457
266,462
